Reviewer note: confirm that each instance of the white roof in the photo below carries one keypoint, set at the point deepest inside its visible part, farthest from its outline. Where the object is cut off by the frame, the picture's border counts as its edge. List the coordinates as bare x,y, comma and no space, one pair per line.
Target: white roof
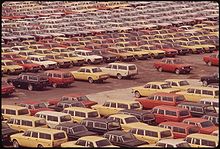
209,99
172,141
52,113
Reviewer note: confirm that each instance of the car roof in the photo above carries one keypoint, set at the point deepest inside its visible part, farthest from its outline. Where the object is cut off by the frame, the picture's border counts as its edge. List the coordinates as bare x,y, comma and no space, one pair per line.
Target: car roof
166,94
172,108
92,138
117,132
122,101
175,80
172,141
209,99
121,115
29,102
54,113
45,130
57,71
158,83
73,95
133,111
194,104
69,124
196,120
204,88
99,120
178,124
202,136
7,60
27,117
89,67
81,109
147,127
125,64
14,107
34,74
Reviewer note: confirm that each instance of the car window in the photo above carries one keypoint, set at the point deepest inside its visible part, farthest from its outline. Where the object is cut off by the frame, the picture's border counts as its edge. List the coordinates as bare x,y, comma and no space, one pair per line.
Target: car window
198,91
26,123
207,92
161,111
124,106
23,112
147,86
165,134
100,125
81,70
11,112
34,134
88,71
208,143
58,136
80,114
27,133
45,136
196,141
171,113
167,99
81,142
122,67
90,124
106,104
174,84
52,118
190,90
113,104
151,133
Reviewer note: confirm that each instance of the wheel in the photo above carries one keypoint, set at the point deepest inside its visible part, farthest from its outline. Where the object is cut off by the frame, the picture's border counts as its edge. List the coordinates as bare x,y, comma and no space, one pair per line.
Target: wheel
137,94
90,80
15,144
30,87
54,85
40,146
204,83
160,69
119,76
177,71
89,62
209,63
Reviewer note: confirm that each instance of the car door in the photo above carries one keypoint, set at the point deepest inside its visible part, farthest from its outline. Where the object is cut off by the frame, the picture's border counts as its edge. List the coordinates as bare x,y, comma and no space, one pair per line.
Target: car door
146,90
87,74
34,139
104,110
80,73
198,94
114,70
108,70
25,139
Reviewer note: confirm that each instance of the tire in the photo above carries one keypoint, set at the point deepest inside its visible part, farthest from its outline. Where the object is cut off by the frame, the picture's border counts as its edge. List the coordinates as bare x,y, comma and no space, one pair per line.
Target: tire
90,80
119,76
204,83
209,63
30,87
177,71
160,69
15,144
54,85
40,146
137,94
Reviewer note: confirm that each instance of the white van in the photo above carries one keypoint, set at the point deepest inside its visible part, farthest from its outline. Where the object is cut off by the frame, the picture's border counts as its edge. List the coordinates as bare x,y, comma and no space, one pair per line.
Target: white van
54,118
211,101
120,70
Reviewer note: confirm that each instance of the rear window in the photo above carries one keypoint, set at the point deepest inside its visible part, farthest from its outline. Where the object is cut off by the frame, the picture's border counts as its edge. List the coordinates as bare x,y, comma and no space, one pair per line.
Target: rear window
122,67
40,123
165,134
58,136
180,98
193,130
131,120
132,67
113,125
93,114
135,105
102,143
67,75
184,113
65,118
23,112
206,124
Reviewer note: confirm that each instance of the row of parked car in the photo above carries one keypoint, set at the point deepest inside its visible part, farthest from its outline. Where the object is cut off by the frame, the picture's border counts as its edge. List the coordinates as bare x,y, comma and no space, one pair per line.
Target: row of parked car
163,120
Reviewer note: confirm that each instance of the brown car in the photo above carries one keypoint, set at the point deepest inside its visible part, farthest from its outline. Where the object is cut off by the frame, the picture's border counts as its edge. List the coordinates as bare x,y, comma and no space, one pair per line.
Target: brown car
61,61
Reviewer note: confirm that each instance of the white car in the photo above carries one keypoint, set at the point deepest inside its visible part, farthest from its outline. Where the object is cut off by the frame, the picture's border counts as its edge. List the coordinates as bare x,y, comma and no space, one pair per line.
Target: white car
43,61
170,143
211,101
120,70
89,56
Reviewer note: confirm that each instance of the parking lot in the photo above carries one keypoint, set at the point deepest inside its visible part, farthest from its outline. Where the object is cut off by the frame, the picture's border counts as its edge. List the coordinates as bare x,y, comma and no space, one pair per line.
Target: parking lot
146,74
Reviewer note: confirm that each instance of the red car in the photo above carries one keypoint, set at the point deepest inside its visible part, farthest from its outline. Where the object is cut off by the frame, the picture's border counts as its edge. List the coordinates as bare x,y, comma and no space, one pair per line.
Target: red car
28,65
59,78
212,59
11,56
82,98
170,113
35,107
157,99
7,89
180,129
205,126
169,52
172,65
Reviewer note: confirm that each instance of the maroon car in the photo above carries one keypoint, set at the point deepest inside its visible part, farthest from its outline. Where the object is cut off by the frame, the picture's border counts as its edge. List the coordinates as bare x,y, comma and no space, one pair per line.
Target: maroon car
212,59
35,106
28,65
82,98
7,89
172,65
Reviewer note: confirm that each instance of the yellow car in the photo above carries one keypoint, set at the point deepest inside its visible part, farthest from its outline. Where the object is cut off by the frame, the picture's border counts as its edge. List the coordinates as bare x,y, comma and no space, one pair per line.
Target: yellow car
89,141
193,48
6,50
61,61
76,60
39,137
125,120
10,67
206,47
36,47
138,53
90,74
178,84
195,94
153,51
114,106
26,53
153,87
202,140
61,39
43,52
121,54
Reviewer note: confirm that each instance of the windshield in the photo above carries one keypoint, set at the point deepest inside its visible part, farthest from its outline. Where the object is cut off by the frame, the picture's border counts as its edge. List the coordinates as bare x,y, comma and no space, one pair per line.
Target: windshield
132,67
183,83
79,129
180,98
131,120
40,123
93,114
58,136
89,53
94,70
128,137
65,118
104,142
114,125
67,75
165,134
193,130
58,57
184,144
27,62
135,105
164,86
184,113
43,59
41,105
177,61
82,98
23,112
206,124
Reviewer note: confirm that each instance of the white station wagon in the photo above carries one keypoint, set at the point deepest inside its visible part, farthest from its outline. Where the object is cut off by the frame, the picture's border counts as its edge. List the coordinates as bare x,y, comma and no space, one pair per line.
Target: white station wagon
89,56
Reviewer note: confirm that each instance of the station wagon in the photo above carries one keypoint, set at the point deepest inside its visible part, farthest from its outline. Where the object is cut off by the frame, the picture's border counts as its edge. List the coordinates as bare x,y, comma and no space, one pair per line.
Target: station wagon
9,111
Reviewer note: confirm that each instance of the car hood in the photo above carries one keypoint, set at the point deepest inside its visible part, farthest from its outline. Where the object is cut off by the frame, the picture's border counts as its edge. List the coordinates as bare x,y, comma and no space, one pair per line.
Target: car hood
170,90
183,65
170,50
48,62
30,65
9,131
14,66
85,133
210,129
7,86
135,143
156,51
94,56
89,103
